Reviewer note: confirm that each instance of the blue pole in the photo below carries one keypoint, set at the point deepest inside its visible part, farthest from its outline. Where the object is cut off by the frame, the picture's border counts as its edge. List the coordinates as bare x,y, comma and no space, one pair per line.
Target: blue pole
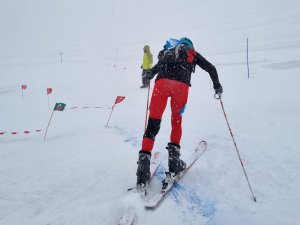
248,58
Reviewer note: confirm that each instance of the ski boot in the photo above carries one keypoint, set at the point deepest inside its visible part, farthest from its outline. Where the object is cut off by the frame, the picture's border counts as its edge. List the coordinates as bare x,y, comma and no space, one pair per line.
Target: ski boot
176,165
143,171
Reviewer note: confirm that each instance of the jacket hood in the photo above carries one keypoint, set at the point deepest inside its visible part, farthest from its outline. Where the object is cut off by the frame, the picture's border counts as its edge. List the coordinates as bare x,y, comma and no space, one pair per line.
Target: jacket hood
147,49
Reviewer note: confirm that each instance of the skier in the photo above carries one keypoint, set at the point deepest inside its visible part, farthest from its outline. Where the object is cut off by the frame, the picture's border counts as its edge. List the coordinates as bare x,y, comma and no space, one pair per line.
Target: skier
147,64
174,70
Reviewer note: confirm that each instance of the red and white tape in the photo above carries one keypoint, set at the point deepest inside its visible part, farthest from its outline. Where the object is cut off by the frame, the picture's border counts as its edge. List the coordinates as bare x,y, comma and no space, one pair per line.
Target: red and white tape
19,132
88,107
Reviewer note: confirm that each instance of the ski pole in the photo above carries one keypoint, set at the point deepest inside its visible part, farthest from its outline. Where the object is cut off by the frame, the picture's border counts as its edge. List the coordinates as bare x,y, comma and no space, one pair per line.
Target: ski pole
217,96
147,107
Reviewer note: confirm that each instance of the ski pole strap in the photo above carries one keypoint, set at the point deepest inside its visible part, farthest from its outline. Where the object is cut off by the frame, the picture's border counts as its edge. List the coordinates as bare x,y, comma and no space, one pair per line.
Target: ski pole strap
217,96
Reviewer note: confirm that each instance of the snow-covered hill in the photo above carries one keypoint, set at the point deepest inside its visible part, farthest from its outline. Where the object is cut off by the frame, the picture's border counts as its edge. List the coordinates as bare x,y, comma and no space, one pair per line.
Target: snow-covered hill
80,174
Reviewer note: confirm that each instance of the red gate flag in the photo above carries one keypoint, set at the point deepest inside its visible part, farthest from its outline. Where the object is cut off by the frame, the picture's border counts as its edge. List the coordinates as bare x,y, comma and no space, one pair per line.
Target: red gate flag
24,87
119,99
49,91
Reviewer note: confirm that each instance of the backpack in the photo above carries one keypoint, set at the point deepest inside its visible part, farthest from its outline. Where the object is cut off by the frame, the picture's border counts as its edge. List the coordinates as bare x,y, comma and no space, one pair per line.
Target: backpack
175,53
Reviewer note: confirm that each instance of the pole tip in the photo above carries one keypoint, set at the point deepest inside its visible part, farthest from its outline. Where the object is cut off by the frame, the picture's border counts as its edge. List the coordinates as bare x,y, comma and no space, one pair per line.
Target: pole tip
254,198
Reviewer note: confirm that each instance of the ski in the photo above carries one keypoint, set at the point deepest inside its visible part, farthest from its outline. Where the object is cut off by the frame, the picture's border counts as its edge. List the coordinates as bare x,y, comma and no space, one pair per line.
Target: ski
129,217
170,180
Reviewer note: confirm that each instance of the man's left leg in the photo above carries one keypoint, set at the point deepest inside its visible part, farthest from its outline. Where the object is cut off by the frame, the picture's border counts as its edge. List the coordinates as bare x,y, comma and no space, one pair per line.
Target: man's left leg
157,106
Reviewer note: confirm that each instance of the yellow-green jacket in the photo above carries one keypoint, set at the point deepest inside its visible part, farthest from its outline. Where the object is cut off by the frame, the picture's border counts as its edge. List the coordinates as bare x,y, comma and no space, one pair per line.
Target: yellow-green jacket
147,59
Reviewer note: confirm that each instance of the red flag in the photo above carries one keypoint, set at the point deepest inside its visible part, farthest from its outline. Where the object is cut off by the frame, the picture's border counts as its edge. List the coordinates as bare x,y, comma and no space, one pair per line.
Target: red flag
2,133
26,132
49,91
24,87
119,99
14,132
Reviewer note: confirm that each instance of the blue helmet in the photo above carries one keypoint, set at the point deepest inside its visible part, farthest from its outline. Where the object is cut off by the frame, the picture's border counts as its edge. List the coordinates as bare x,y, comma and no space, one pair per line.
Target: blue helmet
187,42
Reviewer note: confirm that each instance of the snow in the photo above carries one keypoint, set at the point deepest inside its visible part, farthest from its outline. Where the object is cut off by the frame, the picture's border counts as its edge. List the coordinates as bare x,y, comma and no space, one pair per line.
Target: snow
80,174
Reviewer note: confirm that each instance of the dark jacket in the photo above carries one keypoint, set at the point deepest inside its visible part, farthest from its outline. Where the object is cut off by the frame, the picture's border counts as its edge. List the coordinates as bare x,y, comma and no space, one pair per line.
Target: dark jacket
179,63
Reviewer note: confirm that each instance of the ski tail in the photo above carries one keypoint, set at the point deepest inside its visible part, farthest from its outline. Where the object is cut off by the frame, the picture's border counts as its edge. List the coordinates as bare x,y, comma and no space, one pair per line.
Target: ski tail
130,216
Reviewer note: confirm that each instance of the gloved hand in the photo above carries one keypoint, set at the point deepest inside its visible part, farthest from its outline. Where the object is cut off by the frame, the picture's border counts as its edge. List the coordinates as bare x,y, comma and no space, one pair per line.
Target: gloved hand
148,74
218,91
141,66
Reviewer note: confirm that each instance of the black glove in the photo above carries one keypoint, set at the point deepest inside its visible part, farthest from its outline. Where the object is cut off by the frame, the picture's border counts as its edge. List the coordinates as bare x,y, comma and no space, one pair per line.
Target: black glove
218,91
148,74
141,66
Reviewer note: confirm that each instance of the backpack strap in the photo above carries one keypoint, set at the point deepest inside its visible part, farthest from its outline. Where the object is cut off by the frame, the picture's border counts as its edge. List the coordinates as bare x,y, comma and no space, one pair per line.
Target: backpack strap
191,55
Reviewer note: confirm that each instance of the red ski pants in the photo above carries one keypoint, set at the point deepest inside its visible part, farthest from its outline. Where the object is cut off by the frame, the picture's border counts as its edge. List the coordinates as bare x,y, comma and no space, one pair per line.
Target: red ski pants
163,89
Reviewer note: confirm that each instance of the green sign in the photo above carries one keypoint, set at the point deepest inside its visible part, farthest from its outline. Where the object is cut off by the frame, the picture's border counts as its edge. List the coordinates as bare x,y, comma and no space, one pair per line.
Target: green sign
60,106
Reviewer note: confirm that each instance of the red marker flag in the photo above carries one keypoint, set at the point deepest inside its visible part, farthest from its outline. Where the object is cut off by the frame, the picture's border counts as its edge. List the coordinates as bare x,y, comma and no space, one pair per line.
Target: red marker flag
49,91
23,87
119,99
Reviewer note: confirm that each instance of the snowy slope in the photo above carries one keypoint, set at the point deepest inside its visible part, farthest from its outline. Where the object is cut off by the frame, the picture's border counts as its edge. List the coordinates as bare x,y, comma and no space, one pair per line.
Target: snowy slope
80,174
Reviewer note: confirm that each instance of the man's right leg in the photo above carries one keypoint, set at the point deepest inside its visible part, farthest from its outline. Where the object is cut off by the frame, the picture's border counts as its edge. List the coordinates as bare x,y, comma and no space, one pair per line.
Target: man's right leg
175,164
178,101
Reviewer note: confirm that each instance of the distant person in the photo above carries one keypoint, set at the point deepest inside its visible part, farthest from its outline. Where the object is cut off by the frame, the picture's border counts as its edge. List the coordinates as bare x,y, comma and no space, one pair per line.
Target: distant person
147,65
177,61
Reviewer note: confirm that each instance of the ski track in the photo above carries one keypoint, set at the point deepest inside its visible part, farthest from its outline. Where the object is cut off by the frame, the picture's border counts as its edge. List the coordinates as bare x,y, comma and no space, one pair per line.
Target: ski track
188,200
134,139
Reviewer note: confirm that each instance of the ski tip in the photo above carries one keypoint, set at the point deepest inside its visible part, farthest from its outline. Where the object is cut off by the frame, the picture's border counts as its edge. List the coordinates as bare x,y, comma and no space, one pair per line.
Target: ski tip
203,144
